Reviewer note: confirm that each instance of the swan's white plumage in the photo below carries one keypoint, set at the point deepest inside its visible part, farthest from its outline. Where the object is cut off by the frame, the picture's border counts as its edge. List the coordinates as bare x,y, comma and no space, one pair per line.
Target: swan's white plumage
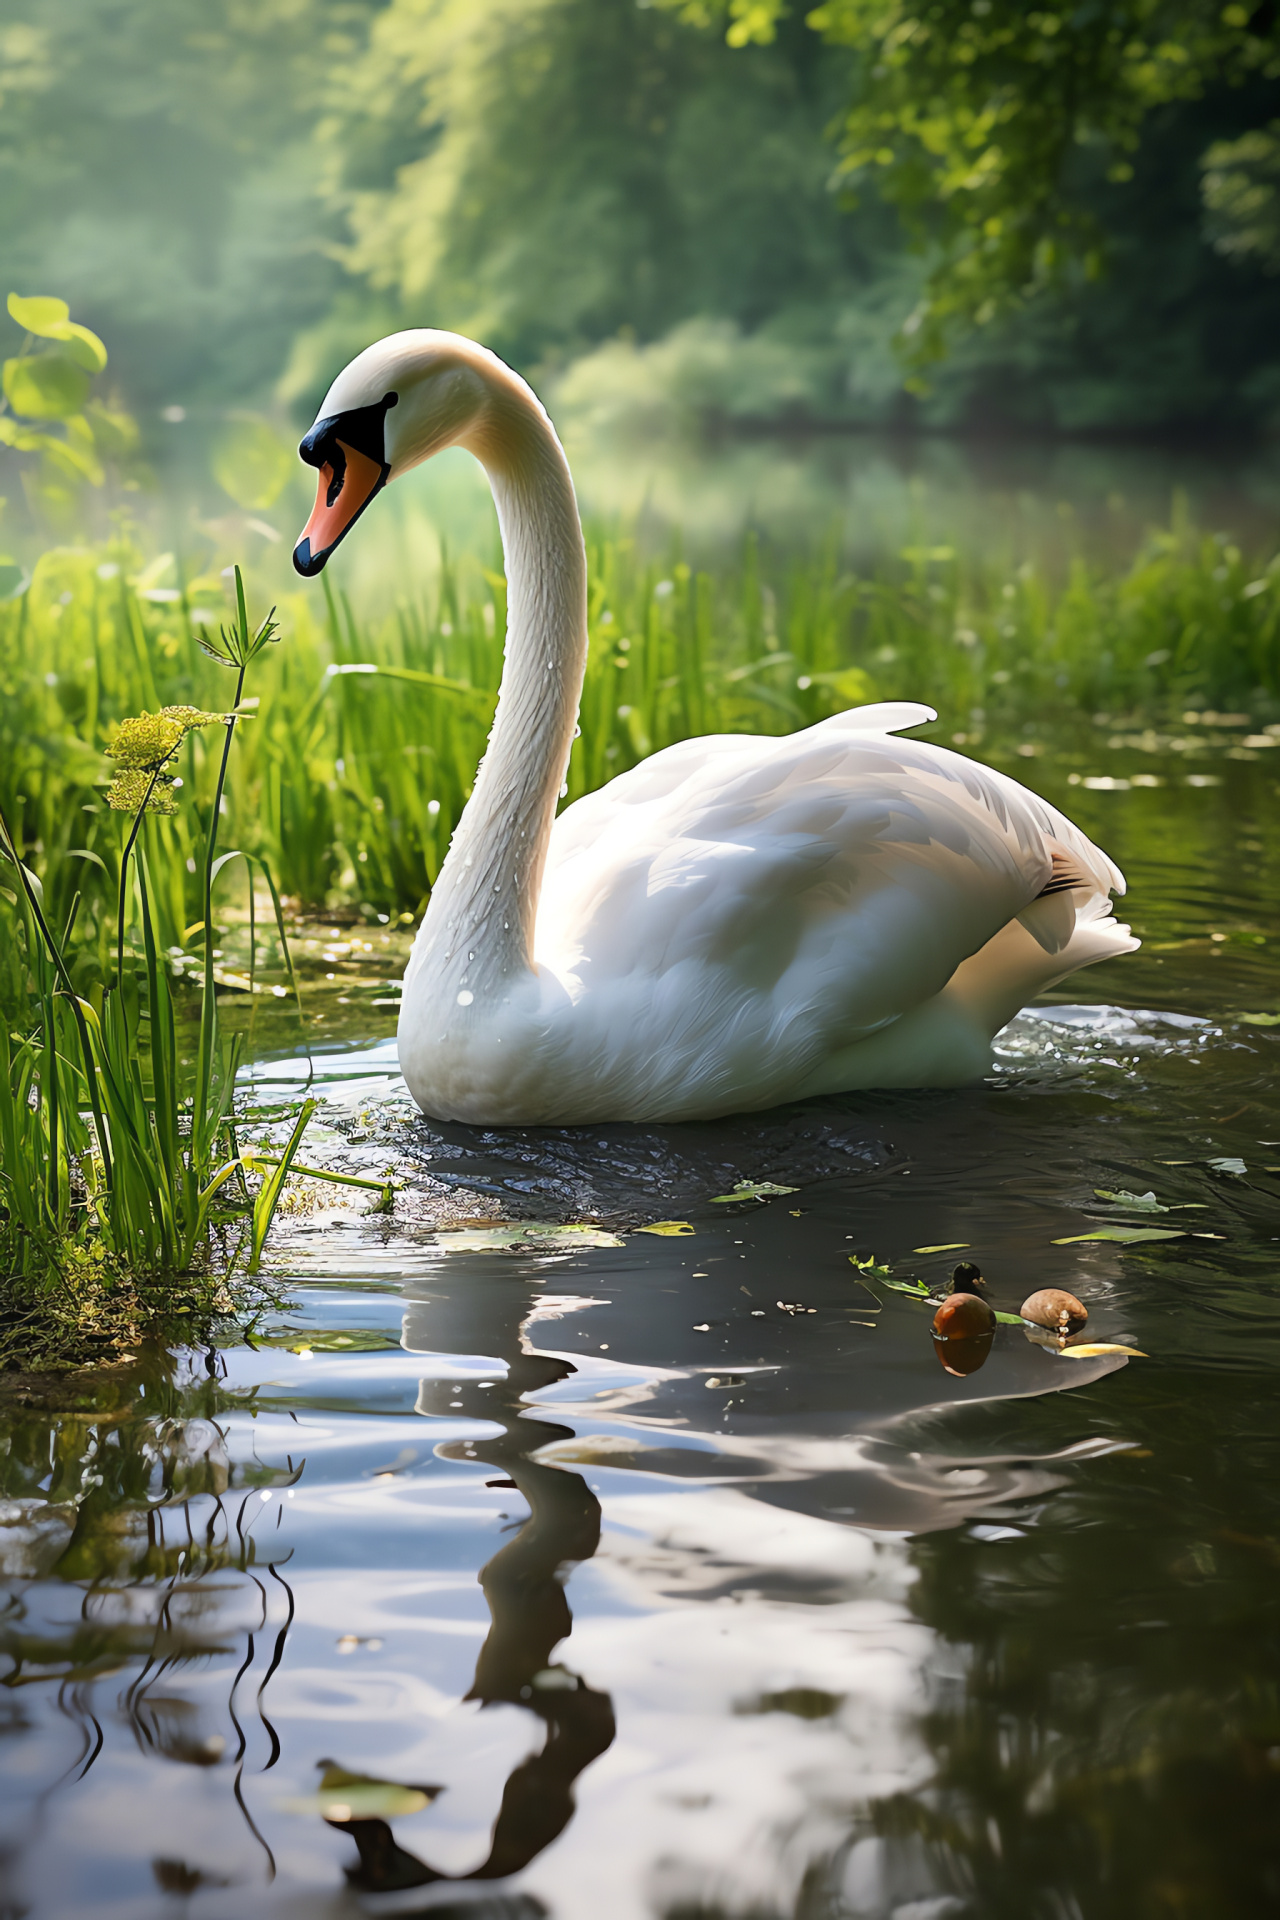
735,922
741,920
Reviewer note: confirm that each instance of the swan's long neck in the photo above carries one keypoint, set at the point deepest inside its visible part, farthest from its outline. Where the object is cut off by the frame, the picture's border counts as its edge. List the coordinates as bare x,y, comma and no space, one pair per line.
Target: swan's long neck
478,930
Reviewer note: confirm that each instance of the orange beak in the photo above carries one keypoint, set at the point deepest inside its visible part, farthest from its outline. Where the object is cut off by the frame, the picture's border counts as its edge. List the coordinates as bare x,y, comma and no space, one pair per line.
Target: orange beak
339,504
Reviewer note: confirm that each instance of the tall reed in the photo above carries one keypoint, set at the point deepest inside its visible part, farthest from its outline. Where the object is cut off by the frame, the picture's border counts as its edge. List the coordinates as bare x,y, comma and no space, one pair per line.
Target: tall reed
118,1151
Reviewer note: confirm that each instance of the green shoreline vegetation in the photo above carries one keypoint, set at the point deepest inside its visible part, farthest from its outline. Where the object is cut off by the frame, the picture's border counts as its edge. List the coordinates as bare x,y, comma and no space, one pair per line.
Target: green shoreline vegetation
360,757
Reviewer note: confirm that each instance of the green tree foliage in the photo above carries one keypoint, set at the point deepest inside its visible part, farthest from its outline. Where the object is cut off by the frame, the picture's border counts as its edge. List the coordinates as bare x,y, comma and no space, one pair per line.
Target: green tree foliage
1241,178
155,167
225,188
47,410
985,121
545,172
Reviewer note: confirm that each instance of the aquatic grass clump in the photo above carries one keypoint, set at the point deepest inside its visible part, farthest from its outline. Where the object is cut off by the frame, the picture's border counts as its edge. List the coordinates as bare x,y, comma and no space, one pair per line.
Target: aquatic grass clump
119,1157
361,760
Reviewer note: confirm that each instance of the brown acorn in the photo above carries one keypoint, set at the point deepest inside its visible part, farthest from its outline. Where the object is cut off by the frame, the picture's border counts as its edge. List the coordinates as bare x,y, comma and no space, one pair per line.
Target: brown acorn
963,1317
1051,1307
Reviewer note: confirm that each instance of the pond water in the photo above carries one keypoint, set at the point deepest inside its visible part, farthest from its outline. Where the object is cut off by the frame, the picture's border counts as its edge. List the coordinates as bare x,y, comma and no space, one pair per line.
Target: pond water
676,1576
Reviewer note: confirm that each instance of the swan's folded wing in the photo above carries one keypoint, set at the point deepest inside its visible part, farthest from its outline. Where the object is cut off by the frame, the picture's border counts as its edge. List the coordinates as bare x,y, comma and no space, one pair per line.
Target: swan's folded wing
842,872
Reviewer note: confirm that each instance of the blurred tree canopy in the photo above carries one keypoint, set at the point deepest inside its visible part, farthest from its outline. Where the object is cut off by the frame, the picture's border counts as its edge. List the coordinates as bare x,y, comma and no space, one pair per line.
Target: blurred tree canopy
232,190
544,173
987,122
156,170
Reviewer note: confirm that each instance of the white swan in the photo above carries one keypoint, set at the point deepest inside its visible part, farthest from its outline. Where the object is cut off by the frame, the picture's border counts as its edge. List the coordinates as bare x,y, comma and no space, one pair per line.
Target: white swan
738,921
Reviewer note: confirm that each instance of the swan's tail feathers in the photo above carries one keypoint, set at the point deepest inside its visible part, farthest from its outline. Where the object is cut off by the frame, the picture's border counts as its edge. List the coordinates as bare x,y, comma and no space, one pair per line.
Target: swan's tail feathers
1069,925
886,716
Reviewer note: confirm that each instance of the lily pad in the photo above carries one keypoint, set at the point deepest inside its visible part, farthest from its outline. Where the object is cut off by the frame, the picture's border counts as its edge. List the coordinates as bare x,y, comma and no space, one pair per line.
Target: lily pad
751,1190
1126,1236
670,1229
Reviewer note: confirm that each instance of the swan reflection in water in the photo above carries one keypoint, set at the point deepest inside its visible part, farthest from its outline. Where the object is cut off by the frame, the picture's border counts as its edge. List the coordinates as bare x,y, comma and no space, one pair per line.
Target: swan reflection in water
523,1585
146,1594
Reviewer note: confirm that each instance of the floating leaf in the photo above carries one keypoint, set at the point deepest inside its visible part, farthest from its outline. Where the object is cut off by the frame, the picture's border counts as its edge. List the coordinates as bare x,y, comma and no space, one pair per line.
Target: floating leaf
1009,1319
751,1190
535,1235
356,1796
1136,1202
1093,1348
882,1273
1127,1236
671,1229
327,1340
947,1246
1231,1164
1260,1019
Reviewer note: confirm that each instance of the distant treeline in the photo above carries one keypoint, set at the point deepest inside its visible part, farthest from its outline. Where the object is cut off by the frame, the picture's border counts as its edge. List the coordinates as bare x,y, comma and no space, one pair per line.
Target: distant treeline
240,195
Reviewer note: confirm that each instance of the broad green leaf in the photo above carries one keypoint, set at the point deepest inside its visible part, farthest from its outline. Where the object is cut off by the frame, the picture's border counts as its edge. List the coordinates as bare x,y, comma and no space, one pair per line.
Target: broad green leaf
84,347
1092,1348
1260,1019
1127,1236
252,464
45,386
751,1190
41,314
671,1228
1009,1319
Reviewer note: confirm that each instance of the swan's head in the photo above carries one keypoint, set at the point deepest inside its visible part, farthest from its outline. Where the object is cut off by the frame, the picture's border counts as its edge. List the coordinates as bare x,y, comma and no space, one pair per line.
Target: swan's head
399,401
